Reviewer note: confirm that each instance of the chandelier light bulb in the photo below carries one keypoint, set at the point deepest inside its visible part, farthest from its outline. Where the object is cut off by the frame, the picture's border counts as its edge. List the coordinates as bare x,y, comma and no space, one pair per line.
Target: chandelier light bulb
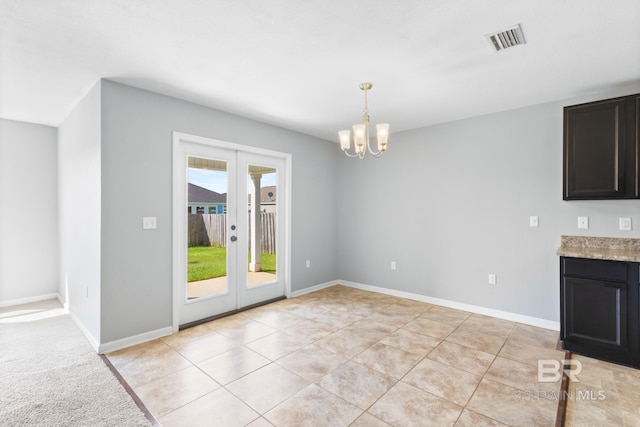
358,134
345,139
382,133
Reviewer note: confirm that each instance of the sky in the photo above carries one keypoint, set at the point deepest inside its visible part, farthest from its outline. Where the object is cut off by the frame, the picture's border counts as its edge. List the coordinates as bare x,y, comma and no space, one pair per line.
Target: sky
217,180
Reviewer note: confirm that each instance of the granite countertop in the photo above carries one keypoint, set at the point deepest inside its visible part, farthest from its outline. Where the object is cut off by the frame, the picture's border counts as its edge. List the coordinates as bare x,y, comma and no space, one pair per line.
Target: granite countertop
609,248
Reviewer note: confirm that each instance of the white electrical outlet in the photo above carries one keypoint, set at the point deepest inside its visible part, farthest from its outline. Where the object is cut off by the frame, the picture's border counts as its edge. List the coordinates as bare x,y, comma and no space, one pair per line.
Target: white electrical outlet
533,221
149,223
583,222
493,279
393,265
625,224
308,263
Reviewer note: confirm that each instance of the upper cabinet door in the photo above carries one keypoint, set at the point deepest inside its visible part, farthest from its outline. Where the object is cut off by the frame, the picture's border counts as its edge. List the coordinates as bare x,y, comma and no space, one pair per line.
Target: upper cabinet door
600,150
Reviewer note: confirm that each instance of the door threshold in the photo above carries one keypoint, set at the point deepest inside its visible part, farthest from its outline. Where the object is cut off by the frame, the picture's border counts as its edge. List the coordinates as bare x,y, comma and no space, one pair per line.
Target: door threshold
228,313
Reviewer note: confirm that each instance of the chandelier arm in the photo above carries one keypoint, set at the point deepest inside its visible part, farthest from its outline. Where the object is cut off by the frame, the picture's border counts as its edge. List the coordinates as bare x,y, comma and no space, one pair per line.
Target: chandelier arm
375,153
369,149
350,155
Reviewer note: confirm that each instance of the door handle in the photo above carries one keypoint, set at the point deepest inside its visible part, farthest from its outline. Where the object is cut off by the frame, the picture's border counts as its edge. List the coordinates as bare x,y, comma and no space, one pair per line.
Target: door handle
234,238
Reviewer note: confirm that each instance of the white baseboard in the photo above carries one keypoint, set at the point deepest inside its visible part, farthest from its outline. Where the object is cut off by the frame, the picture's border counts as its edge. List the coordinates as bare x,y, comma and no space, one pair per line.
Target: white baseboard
27,300
92,340
158,333
63,301
314,288
121,343
514,317
133,340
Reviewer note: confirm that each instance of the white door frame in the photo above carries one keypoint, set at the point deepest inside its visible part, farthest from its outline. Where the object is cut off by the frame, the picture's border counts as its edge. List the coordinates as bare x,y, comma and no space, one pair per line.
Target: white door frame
179,218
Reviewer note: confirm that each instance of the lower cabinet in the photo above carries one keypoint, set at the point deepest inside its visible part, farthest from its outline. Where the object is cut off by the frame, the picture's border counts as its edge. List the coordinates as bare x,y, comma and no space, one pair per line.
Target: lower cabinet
599,309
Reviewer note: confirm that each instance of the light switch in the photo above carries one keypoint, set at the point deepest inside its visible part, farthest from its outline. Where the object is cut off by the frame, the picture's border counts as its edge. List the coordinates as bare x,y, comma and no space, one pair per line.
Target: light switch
533,221
149,223
583,222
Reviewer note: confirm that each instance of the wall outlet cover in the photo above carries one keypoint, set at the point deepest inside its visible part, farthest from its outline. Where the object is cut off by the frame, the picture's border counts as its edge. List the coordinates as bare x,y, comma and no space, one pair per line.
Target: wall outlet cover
583,222
625,224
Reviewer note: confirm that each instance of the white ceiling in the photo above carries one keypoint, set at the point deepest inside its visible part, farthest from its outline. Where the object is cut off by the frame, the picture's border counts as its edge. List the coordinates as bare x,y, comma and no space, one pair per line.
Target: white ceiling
298,64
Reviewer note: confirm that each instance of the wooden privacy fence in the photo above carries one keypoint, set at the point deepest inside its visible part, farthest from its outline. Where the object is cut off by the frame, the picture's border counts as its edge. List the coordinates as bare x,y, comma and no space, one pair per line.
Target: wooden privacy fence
207,230
211,230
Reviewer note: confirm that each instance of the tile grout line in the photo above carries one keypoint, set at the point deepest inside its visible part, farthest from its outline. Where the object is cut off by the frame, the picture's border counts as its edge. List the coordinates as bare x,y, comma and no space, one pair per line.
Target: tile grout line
422,359
464,407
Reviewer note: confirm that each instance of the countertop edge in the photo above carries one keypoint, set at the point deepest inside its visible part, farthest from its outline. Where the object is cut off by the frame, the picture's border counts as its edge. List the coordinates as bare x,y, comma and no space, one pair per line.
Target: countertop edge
603,254
603,248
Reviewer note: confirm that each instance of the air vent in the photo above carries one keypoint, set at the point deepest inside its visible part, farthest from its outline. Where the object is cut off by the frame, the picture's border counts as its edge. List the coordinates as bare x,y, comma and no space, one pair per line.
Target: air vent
507,38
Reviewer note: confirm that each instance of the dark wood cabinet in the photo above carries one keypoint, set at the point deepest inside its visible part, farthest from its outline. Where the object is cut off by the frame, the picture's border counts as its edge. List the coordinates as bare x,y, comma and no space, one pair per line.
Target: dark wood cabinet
599,308
596,312
601,149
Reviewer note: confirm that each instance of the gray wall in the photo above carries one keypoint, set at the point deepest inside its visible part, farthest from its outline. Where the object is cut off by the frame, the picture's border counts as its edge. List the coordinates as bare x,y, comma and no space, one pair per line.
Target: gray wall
28,211
451,204
136,160
79,147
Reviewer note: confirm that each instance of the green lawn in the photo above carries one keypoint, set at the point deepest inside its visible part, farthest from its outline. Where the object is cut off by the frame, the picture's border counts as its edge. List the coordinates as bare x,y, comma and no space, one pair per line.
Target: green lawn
207,262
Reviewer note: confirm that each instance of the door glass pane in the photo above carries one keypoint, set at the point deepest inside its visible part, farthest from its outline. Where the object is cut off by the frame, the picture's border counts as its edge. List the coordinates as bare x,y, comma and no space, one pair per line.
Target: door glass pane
261,218
206,238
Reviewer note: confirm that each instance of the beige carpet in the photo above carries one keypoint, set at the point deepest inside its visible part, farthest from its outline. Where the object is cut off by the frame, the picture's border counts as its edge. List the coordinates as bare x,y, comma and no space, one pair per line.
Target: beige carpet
50,376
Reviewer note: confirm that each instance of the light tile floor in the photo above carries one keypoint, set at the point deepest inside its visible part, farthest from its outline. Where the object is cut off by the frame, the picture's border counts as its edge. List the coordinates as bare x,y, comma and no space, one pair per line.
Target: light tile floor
606,395
346,357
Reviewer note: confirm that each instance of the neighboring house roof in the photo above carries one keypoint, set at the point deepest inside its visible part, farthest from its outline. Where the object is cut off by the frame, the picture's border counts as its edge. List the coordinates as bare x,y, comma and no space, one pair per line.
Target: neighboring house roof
199,194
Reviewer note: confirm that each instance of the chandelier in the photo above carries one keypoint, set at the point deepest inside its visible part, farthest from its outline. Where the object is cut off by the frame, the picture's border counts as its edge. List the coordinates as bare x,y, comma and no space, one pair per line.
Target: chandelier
361,133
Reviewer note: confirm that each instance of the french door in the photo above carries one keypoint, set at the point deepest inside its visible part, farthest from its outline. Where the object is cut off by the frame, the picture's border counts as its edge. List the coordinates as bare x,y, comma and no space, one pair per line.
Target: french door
230,227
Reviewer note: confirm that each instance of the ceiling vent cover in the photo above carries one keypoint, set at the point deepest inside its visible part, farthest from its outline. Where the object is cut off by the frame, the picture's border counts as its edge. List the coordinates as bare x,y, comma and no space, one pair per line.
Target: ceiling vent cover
505,39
